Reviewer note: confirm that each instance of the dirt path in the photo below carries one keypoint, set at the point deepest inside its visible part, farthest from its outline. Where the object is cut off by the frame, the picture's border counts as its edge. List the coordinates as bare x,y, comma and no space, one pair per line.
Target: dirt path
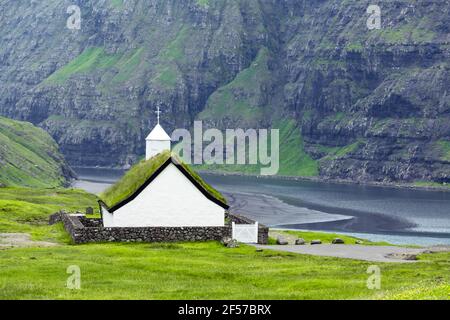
21,240
358,252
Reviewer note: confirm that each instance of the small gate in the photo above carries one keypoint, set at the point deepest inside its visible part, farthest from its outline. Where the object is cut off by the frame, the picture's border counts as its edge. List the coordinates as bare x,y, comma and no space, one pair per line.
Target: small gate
245,233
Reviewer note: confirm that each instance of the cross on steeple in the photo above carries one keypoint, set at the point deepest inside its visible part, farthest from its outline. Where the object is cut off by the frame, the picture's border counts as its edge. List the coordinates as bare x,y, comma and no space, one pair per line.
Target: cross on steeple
158,113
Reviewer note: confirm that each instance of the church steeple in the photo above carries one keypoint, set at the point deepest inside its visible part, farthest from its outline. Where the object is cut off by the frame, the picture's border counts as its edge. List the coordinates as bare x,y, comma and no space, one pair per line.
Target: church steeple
158,140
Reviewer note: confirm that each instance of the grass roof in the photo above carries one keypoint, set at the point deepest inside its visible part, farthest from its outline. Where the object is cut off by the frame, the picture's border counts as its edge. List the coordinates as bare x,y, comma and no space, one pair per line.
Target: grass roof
141,172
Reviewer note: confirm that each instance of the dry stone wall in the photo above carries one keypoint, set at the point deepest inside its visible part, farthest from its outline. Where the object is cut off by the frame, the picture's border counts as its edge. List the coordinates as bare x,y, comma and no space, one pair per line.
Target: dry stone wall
83,230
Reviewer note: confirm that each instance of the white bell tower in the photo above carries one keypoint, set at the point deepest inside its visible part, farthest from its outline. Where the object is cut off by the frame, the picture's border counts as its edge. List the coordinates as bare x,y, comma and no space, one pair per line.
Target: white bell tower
157,141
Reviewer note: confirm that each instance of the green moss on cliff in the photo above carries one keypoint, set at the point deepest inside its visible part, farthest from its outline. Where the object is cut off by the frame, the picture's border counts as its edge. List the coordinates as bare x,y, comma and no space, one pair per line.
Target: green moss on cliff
339,152
95,59
118,4
240,100
294,161
167,76
174,51
167,70
90,59
444,145
203,3
128,65
406,34
29,156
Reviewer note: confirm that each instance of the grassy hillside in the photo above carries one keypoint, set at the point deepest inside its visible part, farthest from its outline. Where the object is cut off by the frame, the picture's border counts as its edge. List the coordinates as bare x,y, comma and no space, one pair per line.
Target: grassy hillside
27,210
29,156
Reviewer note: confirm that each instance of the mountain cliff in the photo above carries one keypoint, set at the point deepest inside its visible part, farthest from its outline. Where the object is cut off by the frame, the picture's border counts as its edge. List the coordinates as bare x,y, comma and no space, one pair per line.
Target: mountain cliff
351,103
29,157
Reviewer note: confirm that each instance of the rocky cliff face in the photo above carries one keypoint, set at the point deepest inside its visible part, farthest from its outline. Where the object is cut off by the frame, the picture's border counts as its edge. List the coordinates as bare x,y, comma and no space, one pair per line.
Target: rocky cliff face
351,103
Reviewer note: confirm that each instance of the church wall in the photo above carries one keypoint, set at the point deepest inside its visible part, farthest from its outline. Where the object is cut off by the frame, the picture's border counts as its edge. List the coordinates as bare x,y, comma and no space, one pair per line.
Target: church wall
108,218
171,200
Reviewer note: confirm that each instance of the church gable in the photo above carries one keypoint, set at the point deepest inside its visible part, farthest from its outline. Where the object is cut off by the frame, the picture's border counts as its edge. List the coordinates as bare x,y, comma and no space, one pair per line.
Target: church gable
170,200
145,173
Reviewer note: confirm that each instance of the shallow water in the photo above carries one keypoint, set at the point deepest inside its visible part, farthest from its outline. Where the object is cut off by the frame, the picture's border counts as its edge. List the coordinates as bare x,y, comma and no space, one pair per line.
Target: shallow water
400,216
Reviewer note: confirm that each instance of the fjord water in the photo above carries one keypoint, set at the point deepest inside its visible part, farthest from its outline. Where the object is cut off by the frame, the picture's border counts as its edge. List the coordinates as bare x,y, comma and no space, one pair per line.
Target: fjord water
402,216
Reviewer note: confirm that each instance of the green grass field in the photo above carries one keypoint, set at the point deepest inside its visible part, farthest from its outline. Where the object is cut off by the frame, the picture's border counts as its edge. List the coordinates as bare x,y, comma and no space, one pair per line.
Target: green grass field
27,210
208,271
186,270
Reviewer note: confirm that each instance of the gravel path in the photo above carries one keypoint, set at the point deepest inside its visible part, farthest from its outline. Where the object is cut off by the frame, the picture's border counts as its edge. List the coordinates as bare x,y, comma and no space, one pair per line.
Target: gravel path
21,240
358,252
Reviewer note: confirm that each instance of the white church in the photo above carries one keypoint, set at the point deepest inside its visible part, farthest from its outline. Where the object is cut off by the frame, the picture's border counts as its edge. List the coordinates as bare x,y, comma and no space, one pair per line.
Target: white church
170,197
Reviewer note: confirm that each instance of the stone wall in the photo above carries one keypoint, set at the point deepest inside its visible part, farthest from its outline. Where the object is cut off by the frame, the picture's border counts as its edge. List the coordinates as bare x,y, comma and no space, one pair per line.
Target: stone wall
83,230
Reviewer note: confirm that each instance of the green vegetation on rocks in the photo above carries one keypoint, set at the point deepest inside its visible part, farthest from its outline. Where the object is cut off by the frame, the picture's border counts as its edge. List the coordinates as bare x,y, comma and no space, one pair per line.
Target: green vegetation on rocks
294,161
445,149
96,58
118,4
30,157
167,70
91,58
339,152
431,184
203,3
240,99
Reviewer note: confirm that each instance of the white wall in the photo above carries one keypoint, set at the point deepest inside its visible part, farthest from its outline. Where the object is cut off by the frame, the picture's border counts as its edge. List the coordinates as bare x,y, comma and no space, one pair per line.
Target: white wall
154,147
108,218
171,200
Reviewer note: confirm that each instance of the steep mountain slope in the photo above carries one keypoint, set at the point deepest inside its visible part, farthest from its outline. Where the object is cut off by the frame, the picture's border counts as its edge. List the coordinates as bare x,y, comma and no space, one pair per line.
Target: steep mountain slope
366,105
30,157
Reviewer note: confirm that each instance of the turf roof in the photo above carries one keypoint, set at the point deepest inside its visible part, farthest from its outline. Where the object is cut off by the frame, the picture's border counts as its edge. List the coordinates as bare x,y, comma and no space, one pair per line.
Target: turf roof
138,175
